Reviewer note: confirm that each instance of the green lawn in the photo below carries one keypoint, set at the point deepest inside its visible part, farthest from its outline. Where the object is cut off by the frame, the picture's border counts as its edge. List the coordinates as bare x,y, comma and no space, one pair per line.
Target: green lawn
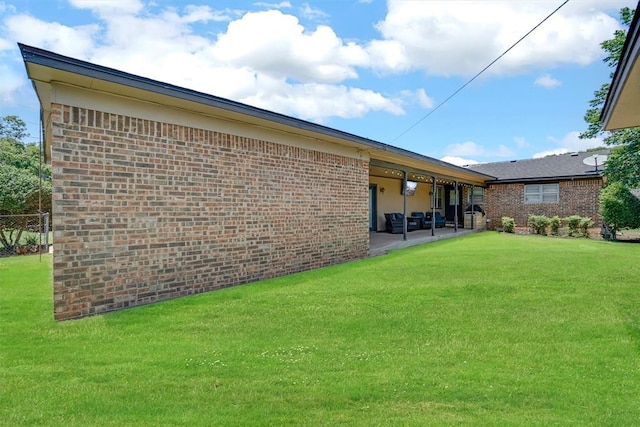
489,329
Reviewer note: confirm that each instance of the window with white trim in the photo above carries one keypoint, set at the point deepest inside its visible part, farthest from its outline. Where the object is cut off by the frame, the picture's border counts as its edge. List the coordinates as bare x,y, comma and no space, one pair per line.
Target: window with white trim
476,195
439,194
541,193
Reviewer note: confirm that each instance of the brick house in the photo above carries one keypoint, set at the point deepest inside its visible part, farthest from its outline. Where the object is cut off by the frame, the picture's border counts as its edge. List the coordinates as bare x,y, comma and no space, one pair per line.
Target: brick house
560,185
161,191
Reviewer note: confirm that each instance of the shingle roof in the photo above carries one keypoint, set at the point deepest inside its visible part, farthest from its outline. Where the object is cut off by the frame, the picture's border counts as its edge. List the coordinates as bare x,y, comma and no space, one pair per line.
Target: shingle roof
563,166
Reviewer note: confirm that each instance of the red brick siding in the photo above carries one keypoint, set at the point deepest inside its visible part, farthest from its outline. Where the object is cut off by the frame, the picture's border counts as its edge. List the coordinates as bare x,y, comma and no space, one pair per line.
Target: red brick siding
577,197
146,211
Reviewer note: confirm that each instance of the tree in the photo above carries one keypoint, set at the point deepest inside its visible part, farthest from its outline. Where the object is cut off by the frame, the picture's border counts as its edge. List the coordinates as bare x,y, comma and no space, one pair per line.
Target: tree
20,183
623,164
12,128
619,208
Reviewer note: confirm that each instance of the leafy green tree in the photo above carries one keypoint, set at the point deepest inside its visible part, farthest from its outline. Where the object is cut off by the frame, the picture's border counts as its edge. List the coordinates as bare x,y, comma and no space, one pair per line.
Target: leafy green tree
12,128
619,208
20,185
623,164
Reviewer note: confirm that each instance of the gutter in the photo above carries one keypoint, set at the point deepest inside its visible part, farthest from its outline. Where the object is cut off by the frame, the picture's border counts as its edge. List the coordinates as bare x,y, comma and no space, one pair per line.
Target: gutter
544,179
623,69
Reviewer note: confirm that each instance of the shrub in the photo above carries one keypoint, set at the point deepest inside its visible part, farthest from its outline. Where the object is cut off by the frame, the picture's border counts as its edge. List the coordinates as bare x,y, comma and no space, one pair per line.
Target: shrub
538,224
585,225
554,223
508,224
573,223
619,208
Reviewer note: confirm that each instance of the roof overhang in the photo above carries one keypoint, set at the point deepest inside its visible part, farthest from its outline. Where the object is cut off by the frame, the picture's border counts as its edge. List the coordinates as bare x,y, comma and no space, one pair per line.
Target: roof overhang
46,68
622,106
545,179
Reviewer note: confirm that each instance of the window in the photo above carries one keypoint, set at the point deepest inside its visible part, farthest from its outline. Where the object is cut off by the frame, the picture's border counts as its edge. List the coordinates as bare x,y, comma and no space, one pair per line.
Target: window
541,193
439,194
476,195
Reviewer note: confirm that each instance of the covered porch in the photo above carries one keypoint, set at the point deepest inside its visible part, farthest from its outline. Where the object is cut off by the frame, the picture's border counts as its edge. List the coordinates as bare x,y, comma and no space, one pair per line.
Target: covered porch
431,197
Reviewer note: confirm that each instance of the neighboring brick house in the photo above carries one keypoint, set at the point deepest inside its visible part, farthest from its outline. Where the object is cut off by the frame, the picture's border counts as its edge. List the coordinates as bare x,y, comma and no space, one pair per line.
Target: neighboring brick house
161,191
560,185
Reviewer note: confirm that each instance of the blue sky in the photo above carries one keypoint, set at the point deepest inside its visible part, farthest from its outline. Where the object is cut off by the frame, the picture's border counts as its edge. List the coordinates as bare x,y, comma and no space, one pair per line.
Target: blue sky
371,68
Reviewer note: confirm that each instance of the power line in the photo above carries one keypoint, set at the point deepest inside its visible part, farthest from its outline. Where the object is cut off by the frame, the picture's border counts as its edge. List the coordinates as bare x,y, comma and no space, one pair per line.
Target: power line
478,74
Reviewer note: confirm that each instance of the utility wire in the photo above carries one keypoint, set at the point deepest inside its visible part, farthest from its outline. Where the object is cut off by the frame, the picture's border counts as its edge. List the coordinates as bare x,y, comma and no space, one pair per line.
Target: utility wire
478,74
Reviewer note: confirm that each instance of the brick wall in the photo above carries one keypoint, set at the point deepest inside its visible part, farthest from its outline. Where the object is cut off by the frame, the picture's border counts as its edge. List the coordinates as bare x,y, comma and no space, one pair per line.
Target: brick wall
577,197
146,211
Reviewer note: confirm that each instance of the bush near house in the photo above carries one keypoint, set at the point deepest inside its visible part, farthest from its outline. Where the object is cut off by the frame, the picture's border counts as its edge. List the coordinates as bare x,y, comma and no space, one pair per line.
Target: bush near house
554,223
539,224
508,224
577,226
585,225
573,224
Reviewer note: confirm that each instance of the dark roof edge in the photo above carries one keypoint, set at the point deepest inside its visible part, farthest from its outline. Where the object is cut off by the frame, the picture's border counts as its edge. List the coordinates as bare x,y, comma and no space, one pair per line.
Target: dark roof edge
630,43
64,63
544,179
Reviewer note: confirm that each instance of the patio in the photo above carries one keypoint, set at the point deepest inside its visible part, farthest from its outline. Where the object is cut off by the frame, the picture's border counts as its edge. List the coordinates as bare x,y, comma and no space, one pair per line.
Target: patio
381,242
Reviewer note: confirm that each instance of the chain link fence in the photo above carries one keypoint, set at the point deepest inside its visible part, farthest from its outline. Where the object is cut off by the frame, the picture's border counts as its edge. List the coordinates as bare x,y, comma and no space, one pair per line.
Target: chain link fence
24,234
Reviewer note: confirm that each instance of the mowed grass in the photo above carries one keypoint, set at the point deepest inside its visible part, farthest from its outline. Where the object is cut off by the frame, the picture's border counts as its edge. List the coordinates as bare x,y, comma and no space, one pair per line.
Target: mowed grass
489,329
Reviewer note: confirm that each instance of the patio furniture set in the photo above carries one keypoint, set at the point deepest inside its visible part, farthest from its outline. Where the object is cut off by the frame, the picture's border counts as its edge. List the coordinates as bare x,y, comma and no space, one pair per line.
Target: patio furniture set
394,222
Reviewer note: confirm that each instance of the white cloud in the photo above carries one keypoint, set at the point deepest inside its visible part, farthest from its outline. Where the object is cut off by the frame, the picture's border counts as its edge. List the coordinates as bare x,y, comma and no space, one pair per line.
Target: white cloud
286,50
11,82
288,69
502,151
424,100
109,8
320,101
75,41
418,97
459,161
570,142
462,37
281,5
520,141
470,148
547,81
4,7
312,13
553,152
270,59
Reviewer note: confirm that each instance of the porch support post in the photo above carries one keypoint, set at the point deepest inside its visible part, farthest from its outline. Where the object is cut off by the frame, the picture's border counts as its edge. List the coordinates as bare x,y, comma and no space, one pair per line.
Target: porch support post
433,205
404,209
473,216
455,207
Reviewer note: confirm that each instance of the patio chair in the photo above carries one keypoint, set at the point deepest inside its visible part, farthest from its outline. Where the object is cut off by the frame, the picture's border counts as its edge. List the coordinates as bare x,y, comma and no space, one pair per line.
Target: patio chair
438,219
422,220
394,223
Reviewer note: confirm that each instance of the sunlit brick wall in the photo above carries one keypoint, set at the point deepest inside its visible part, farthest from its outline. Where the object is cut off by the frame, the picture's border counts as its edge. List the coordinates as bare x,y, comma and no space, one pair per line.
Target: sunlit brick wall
577,197
146,211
